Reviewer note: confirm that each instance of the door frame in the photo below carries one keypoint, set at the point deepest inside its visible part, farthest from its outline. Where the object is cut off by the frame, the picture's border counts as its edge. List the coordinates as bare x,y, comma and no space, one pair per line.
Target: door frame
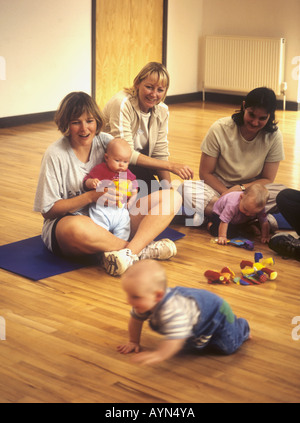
164,46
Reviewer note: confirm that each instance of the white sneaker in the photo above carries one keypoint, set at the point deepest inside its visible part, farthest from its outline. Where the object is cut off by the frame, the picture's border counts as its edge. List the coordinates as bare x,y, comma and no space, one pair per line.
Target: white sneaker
159,250
117,262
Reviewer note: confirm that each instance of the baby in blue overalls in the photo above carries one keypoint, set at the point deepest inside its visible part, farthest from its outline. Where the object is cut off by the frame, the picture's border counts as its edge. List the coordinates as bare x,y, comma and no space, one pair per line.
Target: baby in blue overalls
187,317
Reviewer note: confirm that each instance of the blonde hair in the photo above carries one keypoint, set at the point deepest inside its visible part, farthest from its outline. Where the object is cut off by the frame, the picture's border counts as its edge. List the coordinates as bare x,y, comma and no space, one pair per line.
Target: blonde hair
259,193
117,142
151,68
72,107
150,273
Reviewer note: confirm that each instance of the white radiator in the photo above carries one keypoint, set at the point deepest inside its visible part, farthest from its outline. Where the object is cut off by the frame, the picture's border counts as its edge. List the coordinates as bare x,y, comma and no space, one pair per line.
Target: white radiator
240,64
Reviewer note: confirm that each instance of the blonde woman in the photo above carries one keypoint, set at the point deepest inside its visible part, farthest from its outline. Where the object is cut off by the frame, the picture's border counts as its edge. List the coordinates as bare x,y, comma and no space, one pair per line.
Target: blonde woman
139,115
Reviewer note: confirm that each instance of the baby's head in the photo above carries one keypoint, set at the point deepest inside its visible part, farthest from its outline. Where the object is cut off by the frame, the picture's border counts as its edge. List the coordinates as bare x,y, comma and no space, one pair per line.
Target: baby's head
145,284
253,200
118,154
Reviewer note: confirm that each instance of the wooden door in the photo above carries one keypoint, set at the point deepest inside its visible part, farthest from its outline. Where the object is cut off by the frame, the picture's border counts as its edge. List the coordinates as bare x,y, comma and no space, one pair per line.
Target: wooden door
128,35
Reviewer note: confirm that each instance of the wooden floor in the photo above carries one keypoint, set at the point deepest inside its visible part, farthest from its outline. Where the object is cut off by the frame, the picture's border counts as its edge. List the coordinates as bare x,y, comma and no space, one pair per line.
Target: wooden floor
62,332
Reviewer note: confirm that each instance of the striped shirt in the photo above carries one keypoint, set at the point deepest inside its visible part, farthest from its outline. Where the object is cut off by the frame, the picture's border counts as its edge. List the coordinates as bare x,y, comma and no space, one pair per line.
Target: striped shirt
174,318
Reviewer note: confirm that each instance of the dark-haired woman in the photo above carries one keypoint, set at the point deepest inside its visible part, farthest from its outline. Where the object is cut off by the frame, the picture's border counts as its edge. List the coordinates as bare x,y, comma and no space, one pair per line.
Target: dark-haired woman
243,149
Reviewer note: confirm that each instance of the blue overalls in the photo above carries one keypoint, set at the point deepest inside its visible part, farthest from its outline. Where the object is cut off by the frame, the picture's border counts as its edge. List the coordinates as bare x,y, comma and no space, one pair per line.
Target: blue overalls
217,325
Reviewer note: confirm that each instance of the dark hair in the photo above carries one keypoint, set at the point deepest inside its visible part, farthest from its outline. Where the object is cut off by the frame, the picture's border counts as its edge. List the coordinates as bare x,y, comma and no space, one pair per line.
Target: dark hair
72,107
259,97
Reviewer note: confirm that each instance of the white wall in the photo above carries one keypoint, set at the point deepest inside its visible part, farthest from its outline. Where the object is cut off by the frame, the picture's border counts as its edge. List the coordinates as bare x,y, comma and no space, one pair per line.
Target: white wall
270,18
184,34
45,47
190,20
45,53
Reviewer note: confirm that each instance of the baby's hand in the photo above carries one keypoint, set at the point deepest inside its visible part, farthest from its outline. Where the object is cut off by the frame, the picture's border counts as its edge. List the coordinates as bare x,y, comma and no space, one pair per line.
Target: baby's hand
128,348
148,357
92,183
222,240
265,239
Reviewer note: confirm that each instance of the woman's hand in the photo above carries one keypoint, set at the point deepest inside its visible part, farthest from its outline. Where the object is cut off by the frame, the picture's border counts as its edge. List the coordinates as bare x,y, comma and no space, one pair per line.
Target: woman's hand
183,171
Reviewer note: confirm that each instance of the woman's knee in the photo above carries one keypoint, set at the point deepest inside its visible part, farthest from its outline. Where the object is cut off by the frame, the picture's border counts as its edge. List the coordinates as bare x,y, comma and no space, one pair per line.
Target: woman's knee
282,198
163,202
171,201
72,234
176,199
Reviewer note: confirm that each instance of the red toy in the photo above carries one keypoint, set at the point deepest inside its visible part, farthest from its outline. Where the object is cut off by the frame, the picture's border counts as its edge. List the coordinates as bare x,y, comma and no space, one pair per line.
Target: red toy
224,277
254,273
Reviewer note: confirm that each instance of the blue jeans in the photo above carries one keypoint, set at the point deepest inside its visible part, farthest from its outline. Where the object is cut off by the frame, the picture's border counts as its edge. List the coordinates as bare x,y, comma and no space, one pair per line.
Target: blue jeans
230,336
217,326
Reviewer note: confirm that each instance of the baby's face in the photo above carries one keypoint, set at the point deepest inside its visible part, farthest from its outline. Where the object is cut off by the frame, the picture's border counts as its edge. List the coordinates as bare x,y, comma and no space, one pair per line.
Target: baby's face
140,298
118,160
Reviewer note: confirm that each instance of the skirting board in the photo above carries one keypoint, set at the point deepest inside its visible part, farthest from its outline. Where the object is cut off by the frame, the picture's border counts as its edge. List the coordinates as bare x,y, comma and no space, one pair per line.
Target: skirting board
11,121
224,98
8,122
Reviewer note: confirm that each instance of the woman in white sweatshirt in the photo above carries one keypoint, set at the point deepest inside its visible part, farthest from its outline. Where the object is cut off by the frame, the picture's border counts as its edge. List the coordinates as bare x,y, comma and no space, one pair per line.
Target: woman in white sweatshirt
139,115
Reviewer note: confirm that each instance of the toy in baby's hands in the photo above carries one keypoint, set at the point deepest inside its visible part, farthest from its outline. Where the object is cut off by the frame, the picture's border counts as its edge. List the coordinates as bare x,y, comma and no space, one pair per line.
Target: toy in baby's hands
123,187
238,242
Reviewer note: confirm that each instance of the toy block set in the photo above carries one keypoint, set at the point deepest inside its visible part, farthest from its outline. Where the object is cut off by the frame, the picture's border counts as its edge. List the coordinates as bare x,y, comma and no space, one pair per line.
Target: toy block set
253,273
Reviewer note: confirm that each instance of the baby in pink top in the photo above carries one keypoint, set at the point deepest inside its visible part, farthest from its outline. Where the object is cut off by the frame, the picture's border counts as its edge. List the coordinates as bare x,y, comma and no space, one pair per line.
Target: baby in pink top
237,208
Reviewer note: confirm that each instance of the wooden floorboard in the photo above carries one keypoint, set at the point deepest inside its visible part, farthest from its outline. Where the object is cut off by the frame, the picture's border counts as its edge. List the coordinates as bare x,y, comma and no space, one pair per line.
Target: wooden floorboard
62,332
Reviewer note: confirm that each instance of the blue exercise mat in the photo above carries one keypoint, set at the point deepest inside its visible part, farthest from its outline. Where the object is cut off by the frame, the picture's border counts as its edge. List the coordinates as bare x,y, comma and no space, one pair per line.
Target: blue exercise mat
31,259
